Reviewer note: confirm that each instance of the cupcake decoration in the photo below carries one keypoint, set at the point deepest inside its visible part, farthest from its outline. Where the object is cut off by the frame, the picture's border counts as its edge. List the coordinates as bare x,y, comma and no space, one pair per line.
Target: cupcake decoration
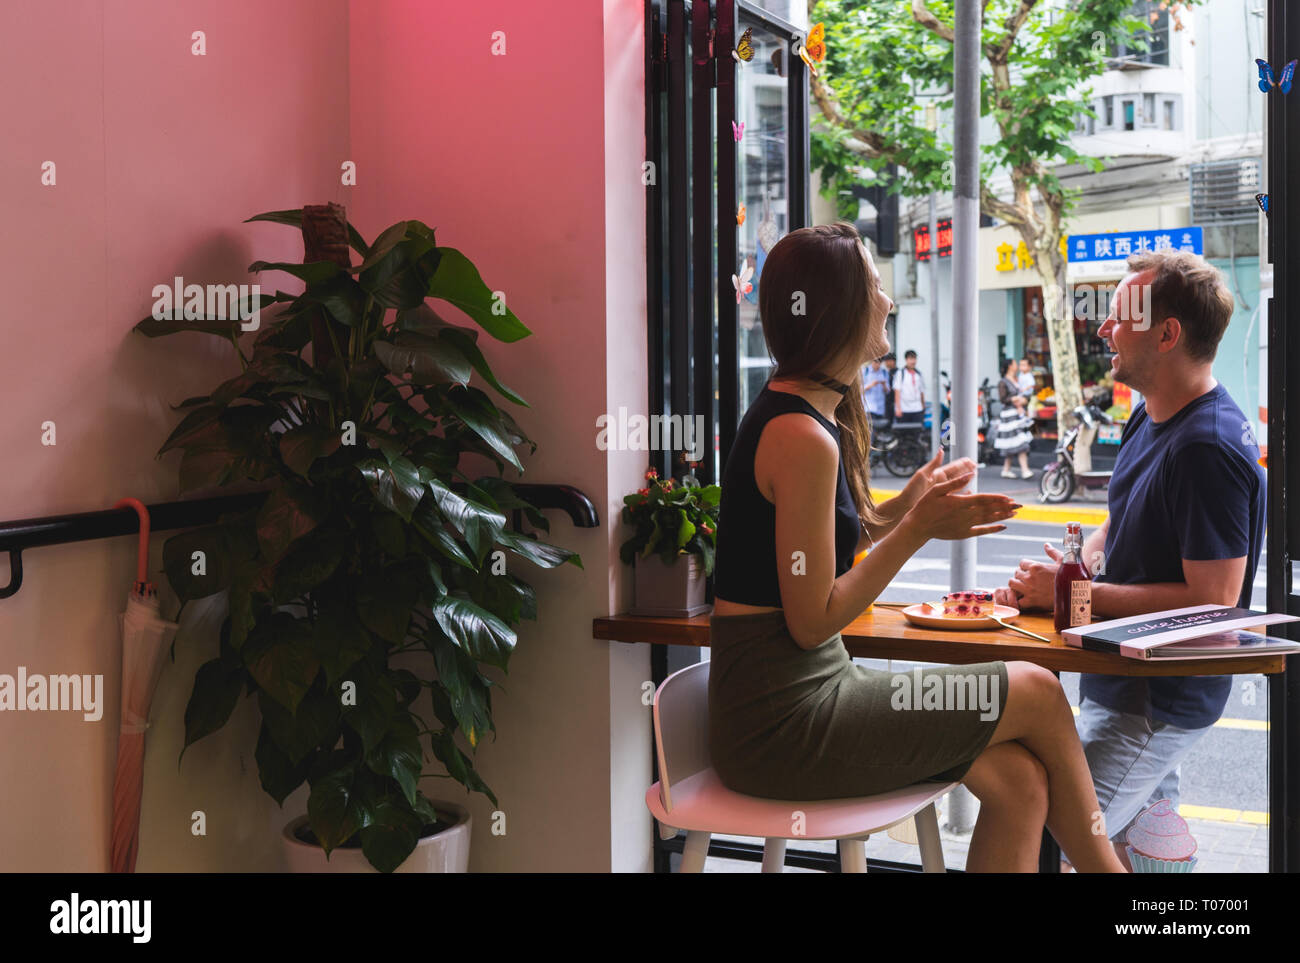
1158,841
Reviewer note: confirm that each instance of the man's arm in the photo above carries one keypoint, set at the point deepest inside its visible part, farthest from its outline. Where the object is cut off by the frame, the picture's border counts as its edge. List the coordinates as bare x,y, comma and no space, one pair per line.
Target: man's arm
1216,582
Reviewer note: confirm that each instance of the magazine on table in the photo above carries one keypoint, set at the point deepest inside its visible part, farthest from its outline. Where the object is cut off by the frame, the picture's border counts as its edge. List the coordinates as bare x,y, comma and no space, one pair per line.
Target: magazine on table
1195,632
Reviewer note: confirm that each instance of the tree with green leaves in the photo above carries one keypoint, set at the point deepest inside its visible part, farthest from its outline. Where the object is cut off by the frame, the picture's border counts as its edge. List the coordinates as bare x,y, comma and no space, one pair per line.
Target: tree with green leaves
1038,59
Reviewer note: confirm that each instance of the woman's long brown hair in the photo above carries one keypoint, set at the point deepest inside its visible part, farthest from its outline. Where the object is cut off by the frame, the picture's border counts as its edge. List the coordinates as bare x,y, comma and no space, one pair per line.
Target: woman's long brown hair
815,300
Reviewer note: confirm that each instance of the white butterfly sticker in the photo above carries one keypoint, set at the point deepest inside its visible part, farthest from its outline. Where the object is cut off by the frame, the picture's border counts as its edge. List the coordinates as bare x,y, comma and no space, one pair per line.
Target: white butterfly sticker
741,281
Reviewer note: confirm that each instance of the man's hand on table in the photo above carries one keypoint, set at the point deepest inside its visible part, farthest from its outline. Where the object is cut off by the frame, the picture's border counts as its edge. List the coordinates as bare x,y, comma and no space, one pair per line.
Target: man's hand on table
1033,586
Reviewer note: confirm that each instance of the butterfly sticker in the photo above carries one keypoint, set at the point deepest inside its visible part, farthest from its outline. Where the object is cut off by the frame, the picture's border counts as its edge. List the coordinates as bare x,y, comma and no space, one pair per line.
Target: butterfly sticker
814,48
738,130
1262,201
740,213
745,49
741,281
1266,81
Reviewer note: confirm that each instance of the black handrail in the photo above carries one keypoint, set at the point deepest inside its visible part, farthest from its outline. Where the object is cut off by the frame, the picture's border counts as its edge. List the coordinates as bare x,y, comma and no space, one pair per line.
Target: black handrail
84,526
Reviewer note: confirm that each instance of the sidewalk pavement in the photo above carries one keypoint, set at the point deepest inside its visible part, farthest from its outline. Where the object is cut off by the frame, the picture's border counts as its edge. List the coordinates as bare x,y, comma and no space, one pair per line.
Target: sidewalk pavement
1221,848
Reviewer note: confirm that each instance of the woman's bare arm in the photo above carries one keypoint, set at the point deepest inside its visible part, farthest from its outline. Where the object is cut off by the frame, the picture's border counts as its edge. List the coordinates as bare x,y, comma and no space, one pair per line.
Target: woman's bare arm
797,466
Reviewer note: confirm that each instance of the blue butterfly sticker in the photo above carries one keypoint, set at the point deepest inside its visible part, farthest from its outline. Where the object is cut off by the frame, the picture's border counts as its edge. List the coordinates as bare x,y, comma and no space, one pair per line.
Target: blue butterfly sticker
1266,81
1262,201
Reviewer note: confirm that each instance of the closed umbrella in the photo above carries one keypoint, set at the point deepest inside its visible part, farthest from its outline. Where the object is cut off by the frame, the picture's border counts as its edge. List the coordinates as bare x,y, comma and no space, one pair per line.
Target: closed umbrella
145,636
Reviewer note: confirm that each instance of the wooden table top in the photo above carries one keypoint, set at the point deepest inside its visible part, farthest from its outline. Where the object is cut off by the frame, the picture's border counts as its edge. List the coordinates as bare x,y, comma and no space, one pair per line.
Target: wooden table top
883,633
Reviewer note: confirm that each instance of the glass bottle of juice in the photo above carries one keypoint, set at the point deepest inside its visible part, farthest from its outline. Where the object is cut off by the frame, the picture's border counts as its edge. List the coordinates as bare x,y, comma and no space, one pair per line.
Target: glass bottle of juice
1073,582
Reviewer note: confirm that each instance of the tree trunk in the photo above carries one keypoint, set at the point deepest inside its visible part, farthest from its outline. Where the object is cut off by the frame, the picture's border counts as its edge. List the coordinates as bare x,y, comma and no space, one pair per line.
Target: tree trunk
1059,321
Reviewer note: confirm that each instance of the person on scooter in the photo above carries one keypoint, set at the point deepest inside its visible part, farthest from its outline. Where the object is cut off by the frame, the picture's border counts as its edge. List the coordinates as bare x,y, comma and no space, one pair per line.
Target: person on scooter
1186,525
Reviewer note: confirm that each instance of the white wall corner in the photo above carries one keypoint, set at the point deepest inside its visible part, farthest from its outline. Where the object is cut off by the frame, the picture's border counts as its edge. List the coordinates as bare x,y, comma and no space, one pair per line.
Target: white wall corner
627,382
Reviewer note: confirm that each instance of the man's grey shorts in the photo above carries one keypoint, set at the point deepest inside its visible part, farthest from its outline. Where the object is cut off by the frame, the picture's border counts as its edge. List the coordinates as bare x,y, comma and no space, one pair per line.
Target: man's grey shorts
1134,761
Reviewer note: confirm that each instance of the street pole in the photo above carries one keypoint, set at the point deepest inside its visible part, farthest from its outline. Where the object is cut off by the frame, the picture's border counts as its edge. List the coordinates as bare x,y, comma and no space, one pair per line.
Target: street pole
965,303
935,396
965,238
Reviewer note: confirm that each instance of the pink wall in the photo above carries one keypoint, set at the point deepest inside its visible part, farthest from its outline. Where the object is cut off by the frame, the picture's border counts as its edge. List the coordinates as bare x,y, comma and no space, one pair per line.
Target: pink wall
160,155
507,157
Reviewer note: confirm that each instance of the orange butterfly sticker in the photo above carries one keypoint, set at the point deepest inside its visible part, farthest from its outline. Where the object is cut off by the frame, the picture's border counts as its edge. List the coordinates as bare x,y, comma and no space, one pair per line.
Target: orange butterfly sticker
740,213
814,48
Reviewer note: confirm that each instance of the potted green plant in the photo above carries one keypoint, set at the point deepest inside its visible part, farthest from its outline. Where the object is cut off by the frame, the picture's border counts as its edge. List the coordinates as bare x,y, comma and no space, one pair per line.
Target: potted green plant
375,570
675,532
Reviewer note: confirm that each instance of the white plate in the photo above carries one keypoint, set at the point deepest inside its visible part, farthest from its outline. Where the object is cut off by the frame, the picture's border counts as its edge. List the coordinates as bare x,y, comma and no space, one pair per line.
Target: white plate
915,615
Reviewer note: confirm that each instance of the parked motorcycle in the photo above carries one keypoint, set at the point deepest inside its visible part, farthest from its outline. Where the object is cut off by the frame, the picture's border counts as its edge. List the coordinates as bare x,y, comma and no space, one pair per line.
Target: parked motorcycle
1059,481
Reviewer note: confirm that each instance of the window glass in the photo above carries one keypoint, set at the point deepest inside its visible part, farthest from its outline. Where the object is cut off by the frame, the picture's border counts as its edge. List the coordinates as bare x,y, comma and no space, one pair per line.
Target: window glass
1169,115
1148,108
1128,115
762,170
1109,104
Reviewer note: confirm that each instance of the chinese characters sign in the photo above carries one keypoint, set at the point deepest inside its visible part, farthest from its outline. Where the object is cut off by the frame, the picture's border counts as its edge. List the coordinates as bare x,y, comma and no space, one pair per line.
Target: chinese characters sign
921,240
1119,245
1014,257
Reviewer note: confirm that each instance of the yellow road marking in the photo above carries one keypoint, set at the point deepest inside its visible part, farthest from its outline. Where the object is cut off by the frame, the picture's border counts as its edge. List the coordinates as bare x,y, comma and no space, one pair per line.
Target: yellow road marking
1031,513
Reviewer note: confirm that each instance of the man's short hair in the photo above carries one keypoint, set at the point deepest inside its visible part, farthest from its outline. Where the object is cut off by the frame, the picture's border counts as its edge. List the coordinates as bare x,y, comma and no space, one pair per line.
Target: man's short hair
909,354
1186,287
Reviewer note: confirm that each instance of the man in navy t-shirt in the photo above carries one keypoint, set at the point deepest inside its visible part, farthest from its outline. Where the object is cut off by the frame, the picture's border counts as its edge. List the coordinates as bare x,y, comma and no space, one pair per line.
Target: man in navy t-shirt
1186,526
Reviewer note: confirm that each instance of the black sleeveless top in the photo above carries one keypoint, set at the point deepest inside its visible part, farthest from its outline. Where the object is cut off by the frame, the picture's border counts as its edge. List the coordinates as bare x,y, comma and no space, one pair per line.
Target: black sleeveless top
746,565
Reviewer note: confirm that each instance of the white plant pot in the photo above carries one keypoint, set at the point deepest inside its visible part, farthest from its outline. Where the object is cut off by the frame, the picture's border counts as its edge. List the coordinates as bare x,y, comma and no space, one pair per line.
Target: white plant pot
444,852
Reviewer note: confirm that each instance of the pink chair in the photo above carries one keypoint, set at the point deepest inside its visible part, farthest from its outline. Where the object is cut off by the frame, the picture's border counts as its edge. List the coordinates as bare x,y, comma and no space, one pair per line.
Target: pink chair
690,796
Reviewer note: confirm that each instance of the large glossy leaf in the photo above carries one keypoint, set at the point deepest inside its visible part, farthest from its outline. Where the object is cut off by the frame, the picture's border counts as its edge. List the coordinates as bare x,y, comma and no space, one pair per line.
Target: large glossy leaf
479,524
191,426
470,350
222,546
335,808
430,526
396,486
307,564
315,724
538,552
376,704
479,414
457,281
216,691
278,773
400,277
391,837
340,641
313,272
465,693
281,658
458,765
480,633
294,219
398,755
152,327
300,447
341,296
423,359
285,517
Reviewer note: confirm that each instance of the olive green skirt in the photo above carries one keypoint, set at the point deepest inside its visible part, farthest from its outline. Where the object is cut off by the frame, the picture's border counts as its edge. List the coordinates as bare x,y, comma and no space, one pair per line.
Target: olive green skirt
793,723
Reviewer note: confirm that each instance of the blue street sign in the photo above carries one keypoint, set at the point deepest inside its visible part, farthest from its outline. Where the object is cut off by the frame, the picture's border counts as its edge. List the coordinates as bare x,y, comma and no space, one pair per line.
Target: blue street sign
1119,245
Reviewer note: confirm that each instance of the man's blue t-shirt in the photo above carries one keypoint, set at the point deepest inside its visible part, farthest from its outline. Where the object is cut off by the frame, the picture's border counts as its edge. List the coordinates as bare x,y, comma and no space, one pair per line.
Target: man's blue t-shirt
1191,488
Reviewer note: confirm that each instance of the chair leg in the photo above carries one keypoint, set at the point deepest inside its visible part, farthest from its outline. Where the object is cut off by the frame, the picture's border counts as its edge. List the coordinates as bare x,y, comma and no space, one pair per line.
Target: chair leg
853,855
773,855
695,851
927,836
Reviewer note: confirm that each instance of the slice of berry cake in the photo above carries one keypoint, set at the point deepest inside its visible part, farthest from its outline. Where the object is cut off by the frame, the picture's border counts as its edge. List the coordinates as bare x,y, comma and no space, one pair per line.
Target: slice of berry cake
968,605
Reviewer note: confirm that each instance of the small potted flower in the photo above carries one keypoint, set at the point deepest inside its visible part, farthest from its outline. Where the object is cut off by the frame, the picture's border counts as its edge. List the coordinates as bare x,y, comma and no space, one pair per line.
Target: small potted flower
672,546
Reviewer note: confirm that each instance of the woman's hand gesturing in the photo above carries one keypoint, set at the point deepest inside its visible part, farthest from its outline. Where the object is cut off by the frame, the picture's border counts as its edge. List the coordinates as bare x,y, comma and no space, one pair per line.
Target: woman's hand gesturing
945,514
